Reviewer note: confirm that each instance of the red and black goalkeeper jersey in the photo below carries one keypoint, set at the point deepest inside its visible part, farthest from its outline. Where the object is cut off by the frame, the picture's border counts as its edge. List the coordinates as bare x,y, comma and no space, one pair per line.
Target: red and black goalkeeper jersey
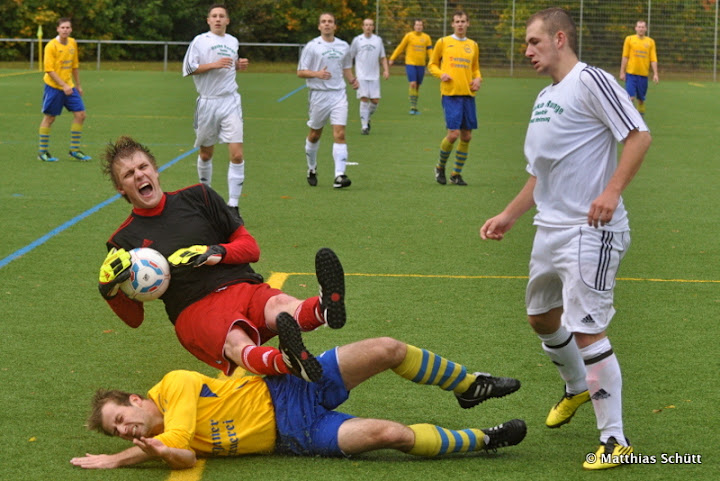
191,216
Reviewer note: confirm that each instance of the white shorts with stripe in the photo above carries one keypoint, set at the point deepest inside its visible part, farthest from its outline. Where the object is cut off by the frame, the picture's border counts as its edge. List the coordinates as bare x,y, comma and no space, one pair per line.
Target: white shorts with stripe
218,120
327,105
575,268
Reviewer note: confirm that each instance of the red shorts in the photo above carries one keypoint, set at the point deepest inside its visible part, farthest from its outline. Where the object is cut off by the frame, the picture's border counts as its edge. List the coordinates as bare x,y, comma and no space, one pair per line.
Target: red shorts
203,326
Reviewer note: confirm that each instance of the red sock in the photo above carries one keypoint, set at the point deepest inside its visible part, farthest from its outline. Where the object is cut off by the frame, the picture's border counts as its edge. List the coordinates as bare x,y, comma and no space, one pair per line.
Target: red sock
264,360
308,314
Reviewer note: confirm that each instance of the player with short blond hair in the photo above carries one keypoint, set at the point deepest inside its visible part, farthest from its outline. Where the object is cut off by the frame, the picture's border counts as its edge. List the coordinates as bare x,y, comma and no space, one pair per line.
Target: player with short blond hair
576,183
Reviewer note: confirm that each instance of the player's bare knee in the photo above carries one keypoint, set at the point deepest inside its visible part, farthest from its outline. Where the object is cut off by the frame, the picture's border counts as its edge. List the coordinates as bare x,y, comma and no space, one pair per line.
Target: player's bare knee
388,350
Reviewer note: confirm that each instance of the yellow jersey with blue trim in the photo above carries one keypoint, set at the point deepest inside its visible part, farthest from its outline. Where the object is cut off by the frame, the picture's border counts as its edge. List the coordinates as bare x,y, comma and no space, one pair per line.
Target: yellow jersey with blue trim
460,59
215,417
640,52
61,59
416,47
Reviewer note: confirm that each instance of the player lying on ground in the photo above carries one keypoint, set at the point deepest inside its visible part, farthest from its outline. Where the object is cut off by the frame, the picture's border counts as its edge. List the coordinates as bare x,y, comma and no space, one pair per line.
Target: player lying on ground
189,415
221,309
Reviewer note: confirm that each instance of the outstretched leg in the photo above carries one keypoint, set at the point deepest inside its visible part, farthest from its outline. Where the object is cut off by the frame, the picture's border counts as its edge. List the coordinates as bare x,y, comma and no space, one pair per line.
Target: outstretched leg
360,435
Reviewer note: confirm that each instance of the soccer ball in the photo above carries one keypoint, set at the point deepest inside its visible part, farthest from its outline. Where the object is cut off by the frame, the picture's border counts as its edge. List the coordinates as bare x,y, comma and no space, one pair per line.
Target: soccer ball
149,275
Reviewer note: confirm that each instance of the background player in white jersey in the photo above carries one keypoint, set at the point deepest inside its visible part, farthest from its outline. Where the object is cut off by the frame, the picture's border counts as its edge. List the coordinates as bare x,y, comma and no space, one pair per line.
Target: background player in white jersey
212,60
576,184
368,51
323,63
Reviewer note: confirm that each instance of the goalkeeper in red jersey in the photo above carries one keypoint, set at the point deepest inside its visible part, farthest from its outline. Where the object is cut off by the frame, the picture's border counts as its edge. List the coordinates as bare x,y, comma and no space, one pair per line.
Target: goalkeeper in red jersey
222,310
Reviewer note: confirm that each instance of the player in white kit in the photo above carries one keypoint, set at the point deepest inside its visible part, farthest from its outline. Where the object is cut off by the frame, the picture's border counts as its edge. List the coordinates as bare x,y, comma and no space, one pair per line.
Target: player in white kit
324,61
368,51
212,59
576,184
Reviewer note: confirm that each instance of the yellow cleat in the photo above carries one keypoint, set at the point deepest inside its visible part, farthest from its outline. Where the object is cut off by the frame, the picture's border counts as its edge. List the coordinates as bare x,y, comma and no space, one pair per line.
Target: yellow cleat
609,455
565,409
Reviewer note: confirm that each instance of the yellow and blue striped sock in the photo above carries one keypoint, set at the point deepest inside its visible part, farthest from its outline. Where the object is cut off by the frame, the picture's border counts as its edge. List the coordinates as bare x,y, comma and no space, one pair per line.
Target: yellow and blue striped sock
44,139
433,440
424,367
75,135
445,150
461,154
413,94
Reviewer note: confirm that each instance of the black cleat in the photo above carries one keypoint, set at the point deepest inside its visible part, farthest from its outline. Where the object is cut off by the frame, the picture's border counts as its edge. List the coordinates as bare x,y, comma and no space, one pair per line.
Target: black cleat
506,434
312,178
341,181
331,277
457,180
485,387
440,175
297,358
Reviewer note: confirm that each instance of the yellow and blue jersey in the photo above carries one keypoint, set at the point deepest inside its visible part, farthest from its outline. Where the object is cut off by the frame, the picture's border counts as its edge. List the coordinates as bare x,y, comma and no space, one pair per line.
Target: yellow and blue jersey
61,59
215,417
416,47
640,52
460,59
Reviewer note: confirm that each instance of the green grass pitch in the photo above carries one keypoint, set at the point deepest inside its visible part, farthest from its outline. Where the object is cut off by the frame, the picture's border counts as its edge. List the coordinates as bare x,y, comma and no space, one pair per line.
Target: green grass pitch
417,271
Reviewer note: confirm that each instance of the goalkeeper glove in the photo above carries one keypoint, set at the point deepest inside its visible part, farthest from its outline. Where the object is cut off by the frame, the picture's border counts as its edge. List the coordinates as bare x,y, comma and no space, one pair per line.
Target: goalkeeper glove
197,256
114,271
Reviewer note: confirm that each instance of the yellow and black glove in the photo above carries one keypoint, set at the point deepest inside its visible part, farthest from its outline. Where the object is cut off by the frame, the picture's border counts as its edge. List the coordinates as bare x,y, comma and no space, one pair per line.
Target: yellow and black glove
197,256
114,271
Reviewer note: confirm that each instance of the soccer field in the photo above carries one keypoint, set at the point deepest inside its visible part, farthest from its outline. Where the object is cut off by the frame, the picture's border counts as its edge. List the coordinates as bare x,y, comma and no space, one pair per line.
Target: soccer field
417,271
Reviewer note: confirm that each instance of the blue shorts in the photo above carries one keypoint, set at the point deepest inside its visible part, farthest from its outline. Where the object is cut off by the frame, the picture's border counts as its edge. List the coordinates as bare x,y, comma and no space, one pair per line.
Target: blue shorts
55,99
415,73
306,422
636,86
460,112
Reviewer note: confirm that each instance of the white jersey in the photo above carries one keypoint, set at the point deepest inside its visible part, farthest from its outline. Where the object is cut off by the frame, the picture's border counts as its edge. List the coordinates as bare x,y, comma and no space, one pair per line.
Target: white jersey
571,145
319,54
367,53
208,48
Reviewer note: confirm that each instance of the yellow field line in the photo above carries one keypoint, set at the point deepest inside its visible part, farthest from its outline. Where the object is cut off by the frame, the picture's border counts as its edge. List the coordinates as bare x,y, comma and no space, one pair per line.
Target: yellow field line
18,73
445,276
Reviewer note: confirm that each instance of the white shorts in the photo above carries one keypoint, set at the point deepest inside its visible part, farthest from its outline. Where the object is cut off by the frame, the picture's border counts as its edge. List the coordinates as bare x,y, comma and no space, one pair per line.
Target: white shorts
575,269
369,89
218,120
327,104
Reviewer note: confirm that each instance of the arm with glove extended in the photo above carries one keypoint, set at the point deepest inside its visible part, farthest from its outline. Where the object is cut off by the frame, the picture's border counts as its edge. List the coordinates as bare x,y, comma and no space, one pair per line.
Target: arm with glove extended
114,271
242,249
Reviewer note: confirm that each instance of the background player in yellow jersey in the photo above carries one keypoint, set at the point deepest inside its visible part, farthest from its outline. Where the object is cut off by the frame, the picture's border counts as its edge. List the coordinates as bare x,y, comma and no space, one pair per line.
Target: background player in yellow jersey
189,415
62,89
638,57
455,61
416,46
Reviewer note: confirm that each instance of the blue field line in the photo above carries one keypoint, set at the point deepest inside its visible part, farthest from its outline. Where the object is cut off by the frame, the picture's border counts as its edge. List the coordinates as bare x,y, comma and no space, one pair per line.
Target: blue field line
24,250
292,93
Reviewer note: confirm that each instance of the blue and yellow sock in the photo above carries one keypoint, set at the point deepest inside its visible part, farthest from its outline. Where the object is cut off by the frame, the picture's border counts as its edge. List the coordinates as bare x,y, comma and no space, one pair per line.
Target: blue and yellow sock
433,440
75,135
445,150
424,367
44,139
461,154
413,94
